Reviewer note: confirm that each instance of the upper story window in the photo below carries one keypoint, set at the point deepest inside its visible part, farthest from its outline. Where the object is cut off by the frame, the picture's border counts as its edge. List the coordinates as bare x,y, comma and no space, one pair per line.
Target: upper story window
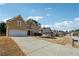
18,23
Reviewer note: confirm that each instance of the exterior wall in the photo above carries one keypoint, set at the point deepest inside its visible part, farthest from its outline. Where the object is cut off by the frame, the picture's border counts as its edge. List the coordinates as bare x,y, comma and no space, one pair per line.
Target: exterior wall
33,27
12,25
46,30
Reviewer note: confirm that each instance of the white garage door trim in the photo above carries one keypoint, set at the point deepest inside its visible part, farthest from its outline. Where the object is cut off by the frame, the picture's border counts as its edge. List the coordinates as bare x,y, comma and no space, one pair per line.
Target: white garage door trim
17,33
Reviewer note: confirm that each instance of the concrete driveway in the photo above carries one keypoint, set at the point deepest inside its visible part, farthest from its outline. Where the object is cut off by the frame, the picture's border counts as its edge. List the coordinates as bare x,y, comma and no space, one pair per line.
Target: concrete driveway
35,47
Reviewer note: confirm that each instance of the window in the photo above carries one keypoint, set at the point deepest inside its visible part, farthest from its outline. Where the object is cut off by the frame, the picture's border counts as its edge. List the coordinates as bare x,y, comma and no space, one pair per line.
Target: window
18,23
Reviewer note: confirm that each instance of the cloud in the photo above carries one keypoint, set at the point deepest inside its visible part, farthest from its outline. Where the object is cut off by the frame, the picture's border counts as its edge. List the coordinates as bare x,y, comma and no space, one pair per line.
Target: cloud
67,25
76,19
6,19
46,26
35,17
64,25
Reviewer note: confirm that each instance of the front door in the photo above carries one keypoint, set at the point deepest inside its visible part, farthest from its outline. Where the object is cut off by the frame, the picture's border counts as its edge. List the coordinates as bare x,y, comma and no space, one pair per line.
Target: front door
29,32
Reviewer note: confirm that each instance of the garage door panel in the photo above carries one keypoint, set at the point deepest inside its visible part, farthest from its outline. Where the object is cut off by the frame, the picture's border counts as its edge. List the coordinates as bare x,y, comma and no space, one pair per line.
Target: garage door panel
19,33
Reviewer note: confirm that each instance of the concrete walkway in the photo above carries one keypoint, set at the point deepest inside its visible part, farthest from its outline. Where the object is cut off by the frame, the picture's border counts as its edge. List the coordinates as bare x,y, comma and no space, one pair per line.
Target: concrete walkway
35,47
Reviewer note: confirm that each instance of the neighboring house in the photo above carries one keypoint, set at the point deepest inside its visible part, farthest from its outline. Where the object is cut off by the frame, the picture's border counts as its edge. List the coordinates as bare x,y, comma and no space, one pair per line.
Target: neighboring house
16,26
59,33
47,32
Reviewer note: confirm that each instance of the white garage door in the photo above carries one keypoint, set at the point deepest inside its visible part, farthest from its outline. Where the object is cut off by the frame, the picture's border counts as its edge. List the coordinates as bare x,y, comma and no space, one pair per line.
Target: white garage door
18,33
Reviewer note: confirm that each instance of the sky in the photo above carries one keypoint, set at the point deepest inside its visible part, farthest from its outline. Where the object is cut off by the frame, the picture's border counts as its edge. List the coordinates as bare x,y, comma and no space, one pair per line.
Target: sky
59,16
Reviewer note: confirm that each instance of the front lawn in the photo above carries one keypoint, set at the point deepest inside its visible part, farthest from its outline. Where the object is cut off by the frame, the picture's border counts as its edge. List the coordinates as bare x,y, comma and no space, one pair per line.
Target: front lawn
9,48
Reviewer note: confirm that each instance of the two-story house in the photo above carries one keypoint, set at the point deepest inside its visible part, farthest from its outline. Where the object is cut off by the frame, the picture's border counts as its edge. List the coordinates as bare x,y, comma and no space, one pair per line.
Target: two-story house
16,26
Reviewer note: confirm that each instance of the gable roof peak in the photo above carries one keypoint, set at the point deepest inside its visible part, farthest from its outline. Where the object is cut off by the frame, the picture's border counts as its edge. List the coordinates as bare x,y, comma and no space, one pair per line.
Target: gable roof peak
19,16
16,17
